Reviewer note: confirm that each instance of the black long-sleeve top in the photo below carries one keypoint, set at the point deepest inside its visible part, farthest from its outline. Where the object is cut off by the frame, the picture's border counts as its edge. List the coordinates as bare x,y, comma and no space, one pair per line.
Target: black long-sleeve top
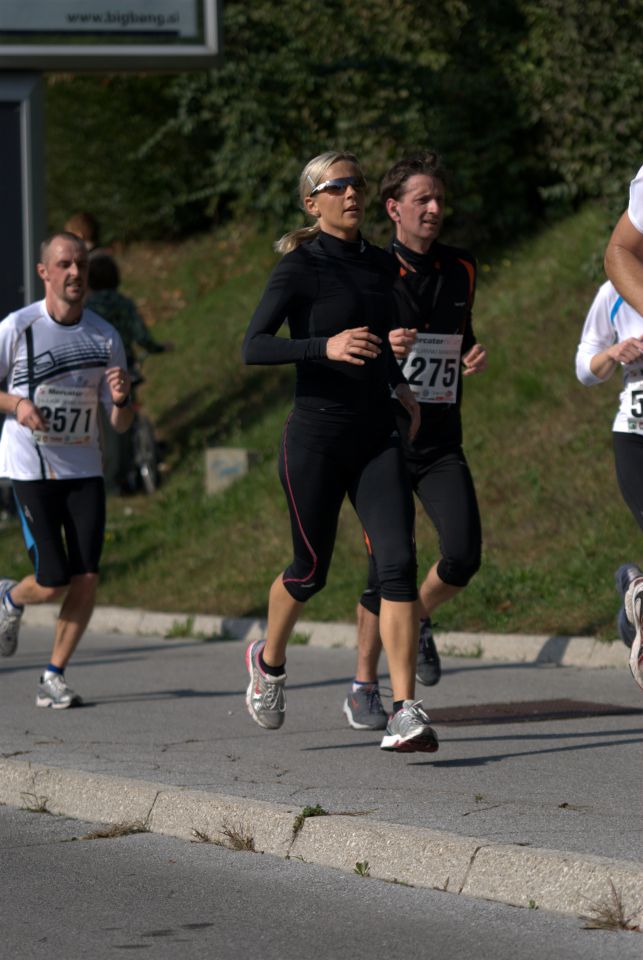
321,288
435,296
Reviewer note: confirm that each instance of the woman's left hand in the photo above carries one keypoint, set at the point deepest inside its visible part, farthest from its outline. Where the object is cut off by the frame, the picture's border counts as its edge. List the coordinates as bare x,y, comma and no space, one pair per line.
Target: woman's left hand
407,398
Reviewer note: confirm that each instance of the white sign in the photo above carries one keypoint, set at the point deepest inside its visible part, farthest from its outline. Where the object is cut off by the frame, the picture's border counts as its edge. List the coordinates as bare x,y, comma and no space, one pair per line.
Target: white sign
178,17
106,34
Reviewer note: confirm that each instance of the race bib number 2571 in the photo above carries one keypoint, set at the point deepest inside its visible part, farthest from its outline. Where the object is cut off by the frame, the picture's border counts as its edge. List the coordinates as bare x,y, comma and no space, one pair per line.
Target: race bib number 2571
432,368
69,413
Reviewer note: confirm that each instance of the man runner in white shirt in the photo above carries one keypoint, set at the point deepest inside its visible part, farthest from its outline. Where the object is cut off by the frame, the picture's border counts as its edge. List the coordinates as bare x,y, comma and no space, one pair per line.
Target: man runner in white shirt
624,267
613,337
59,362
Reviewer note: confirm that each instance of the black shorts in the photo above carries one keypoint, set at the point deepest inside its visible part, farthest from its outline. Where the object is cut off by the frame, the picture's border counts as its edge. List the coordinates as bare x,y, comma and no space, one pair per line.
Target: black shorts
63,523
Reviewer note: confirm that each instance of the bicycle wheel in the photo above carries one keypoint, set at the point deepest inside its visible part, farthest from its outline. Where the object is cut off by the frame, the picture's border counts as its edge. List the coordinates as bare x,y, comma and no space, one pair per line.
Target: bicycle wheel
145,453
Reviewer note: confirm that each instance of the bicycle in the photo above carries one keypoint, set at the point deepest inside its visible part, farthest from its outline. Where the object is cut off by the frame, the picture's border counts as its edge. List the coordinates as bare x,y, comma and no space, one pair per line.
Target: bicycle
132,459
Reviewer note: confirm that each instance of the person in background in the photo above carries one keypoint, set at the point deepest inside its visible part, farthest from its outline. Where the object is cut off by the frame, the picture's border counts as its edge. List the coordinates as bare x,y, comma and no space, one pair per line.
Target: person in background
335,291
84,225
108,302
435,289
105,299
61,362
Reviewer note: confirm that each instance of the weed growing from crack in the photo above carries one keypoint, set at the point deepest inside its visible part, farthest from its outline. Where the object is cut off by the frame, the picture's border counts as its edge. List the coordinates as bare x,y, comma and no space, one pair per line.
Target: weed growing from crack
181,628
236,838
125,829
609,914
199,837
300,639
362,868
36,804
184,629
315,811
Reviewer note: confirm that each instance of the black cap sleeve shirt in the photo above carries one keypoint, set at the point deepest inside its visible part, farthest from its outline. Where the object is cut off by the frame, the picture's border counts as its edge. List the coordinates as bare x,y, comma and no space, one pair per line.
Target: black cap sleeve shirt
321,288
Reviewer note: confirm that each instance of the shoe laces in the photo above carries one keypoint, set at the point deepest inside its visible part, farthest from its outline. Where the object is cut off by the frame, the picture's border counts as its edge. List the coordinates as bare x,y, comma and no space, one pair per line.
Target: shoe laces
636,586
374,700
271,695
415,711
10,613
58,683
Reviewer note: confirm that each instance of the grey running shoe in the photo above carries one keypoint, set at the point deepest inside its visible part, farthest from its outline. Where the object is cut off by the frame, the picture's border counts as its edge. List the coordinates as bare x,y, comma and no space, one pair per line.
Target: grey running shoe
623,578
265,697
428,670
9,622
408,730
364,710
634,611
54,692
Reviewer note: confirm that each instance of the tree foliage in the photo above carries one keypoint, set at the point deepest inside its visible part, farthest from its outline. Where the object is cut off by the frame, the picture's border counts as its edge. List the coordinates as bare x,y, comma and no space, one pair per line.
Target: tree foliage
530,103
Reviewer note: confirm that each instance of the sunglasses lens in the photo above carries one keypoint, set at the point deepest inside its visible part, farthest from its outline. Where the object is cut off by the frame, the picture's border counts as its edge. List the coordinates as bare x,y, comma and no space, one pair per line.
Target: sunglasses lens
339,185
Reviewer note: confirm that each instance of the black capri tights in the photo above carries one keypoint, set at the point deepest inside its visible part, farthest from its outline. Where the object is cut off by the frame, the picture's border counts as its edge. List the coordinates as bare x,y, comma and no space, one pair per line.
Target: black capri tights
322,460
444,486
628,456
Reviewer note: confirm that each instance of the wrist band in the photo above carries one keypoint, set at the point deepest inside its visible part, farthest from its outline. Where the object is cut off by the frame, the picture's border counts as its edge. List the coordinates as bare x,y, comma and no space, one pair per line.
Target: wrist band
15,409
123,403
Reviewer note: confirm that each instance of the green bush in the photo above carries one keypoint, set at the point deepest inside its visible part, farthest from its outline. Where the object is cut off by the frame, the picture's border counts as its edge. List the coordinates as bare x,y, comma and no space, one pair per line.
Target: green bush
534,105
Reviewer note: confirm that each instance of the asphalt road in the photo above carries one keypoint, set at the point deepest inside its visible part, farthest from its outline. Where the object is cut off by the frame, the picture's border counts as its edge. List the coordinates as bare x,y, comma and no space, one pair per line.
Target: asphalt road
535,794
75,898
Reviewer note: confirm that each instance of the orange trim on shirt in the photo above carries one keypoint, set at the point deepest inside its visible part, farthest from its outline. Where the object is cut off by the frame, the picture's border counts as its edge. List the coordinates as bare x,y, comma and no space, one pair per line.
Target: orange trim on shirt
472,277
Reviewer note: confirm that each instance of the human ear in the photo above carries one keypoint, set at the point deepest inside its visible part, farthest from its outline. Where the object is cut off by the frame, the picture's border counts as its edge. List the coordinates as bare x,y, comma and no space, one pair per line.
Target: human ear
312,206
391,209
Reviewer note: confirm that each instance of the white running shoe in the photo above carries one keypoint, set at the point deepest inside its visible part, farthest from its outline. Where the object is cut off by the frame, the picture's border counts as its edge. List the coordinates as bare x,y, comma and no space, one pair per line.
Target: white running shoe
409,730
265,696
9,621
634,612
54,692
623,578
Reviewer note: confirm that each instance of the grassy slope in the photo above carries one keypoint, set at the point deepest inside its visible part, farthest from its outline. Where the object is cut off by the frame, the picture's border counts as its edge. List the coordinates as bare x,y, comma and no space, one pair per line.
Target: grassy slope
539,445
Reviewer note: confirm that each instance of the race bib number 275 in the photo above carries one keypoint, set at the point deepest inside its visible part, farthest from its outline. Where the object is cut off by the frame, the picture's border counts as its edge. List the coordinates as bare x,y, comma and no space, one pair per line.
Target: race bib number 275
432,368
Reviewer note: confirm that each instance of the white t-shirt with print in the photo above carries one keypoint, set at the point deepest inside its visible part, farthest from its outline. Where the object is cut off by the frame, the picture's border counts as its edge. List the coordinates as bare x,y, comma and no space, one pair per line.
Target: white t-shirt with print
635,208
610,320
67,381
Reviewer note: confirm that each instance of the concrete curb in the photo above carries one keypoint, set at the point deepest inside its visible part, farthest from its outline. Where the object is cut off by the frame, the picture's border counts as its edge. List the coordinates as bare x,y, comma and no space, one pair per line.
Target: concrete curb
522,876
507,648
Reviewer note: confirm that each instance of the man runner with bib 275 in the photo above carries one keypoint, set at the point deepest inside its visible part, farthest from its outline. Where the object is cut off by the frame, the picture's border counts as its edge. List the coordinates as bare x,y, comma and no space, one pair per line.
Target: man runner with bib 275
436,347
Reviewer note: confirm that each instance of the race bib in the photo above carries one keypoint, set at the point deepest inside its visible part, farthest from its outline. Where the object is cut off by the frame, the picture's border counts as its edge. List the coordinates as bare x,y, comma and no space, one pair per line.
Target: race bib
634,406
69,411
432,368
